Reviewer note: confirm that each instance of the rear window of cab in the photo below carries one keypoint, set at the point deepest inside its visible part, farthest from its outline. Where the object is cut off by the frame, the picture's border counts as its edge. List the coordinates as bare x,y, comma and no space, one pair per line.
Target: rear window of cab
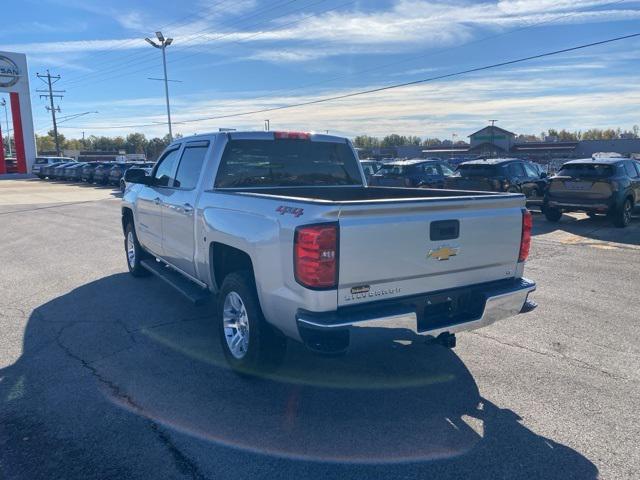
268,163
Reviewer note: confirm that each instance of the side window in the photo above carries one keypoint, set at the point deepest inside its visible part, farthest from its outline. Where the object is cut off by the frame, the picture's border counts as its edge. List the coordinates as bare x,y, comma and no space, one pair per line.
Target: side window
637,164
190,165
516,170
430,169
628,166
532,172
165,168
446,170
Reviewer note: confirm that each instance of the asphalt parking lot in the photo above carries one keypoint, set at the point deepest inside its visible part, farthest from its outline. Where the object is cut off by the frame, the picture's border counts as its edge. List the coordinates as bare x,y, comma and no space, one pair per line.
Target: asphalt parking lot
107,376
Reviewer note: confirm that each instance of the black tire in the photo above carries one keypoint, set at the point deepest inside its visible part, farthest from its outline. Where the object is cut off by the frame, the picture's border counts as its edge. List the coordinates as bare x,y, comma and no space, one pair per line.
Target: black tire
266,347
622,216
139,254
552,214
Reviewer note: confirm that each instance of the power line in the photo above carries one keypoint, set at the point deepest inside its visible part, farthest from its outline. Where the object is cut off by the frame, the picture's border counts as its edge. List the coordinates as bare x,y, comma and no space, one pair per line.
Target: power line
390,87
378,67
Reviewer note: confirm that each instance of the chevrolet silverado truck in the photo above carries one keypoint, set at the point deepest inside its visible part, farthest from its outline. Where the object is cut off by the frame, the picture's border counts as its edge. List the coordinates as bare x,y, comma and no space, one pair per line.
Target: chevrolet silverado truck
282,230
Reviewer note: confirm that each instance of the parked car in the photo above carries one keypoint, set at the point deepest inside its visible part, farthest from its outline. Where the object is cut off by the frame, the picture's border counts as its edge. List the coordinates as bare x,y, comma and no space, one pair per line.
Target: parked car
501,175
101,173
73,172
369,167
67,171
86,174
11,165
412,173
41,162
282,227
55,171
596,186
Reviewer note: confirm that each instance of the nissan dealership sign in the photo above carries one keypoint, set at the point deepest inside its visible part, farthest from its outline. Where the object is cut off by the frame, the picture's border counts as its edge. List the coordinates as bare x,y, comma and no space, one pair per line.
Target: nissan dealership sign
9,72
14,81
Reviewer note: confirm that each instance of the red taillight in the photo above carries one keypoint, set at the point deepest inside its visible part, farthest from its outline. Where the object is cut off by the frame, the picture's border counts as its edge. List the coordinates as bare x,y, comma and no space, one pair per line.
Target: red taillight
292,135
525,240
315,255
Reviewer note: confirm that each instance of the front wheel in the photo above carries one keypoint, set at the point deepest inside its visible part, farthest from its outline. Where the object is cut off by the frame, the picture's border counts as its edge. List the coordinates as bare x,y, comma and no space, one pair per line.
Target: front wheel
249,343
135,252
552,214
622,215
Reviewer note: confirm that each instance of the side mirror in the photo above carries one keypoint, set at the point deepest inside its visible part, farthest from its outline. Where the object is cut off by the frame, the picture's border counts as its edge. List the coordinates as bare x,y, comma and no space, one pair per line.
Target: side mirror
543,175
137,175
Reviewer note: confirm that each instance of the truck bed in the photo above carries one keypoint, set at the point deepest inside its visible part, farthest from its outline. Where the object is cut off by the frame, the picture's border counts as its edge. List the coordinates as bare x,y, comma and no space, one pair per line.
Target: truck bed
349,194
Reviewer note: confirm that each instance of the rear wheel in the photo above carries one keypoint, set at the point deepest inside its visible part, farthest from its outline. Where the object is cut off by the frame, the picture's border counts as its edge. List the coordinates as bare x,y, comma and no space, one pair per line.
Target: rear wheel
134,251
552,214
249,343
622,215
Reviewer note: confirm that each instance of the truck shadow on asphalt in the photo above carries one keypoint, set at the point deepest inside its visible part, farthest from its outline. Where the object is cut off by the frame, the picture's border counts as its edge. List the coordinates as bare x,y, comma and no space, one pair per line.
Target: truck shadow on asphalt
99,361
600,229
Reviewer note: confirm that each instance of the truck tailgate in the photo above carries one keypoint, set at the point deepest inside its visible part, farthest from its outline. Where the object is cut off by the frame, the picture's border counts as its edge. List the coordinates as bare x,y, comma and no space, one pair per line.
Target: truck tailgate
399,249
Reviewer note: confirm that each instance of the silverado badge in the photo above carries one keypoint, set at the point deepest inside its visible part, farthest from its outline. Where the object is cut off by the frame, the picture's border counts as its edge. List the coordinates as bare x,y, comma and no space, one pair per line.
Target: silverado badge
443,253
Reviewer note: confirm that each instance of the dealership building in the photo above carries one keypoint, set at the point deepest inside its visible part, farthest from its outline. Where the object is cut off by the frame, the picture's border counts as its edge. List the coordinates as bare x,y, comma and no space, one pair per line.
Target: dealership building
493,141
497,142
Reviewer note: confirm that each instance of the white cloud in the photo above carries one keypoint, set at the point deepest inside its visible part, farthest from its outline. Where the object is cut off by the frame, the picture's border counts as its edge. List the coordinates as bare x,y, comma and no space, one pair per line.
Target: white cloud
407,25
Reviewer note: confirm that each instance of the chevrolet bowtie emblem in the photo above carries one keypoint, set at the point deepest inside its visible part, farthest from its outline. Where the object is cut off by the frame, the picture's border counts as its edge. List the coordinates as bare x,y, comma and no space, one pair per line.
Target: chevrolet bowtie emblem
443,253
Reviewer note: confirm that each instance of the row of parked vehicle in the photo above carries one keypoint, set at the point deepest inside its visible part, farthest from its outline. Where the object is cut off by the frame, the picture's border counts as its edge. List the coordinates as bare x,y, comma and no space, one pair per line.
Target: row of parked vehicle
101,173
602,185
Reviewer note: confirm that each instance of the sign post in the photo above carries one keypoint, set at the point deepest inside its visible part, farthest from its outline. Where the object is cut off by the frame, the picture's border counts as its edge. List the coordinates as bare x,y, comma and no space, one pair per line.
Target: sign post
14,79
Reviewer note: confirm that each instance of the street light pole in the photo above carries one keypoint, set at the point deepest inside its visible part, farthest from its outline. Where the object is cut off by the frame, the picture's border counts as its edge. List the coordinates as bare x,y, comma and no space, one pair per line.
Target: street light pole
164,43
6,118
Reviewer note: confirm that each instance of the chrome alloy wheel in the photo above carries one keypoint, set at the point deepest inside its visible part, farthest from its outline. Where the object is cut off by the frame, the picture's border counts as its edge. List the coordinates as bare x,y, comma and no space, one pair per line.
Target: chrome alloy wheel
131,250
236,325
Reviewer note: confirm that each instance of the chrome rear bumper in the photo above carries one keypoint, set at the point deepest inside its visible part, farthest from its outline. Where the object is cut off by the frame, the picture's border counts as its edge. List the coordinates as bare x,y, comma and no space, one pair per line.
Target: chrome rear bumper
492,302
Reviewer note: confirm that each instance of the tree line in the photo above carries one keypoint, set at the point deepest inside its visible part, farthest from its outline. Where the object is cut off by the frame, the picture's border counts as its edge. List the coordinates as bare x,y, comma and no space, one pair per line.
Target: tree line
132,143
152,147
394,140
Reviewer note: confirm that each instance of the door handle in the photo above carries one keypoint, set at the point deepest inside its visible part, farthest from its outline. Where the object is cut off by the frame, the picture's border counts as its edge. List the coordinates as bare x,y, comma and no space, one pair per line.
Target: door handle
187,208
157,201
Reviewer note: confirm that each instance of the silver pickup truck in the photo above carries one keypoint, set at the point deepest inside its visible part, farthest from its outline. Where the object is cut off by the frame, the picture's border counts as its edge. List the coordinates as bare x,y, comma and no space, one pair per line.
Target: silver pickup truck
283,230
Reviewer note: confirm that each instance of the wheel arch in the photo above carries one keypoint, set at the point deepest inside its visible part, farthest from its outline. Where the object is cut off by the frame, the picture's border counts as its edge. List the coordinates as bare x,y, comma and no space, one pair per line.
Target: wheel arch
224,259
127,216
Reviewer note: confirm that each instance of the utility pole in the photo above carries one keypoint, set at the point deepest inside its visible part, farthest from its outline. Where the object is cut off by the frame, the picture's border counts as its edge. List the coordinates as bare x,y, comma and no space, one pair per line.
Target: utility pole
493,122
164,43
51,94
3,103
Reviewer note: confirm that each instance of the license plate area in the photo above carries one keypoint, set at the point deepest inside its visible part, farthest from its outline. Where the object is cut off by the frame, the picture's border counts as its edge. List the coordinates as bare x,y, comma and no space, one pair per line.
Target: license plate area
577,186
442,310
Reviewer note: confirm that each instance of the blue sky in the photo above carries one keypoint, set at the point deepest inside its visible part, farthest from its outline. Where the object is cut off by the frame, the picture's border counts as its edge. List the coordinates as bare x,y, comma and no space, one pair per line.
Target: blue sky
238,55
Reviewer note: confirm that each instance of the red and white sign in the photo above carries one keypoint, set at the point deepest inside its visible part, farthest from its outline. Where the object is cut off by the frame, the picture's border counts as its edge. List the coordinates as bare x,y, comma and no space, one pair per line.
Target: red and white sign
14,79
